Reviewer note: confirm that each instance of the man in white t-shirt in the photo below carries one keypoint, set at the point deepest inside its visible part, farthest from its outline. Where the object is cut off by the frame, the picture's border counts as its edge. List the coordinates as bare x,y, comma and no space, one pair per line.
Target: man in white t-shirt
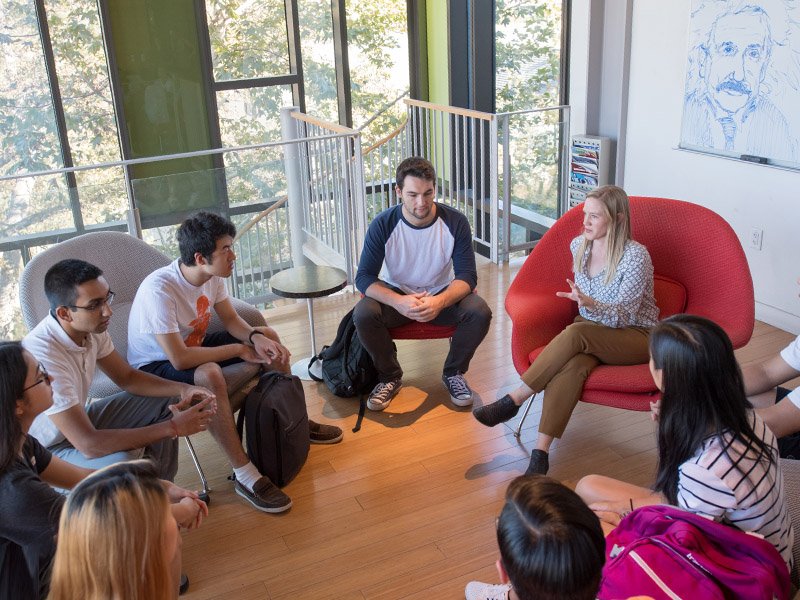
70,343
167,336
778,407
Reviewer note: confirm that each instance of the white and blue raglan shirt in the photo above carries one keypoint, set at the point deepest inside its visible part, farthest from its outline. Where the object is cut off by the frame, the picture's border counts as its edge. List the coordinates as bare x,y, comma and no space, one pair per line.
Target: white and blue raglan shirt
417,259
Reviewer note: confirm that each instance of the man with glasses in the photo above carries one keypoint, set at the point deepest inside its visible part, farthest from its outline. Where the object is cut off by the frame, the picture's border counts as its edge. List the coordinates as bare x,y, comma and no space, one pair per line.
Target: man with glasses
71,342
167,336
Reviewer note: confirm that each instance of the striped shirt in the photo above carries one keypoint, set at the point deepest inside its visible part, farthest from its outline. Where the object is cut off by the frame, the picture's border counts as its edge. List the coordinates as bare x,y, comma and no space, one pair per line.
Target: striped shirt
725,482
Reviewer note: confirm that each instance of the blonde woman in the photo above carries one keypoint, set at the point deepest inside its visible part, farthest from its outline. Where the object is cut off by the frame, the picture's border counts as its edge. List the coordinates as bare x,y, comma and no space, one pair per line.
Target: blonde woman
118,538
613,288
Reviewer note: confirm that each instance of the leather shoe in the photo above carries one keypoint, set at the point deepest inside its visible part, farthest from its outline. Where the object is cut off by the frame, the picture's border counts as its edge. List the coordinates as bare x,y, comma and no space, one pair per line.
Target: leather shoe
320,433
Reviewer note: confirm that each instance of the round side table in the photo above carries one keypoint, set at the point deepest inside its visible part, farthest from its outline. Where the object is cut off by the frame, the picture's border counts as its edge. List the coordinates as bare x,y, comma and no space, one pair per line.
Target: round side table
308,282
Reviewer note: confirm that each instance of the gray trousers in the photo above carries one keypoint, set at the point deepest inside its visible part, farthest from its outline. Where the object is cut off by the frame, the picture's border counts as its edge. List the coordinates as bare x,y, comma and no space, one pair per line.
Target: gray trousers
125,411
471,316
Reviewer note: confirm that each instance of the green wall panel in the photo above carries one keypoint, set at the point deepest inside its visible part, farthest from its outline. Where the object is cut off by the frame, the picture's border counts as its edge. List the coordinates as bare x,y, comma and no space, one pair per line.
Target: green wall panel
159,71
439,80
438,64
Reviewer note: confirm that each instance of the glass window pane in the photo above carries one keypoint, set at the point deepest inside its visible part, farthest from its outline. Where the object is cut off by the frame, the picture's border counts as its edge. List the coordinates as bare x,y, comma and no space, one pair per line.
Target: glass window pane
319,66
34,205
255,176
252,116
248,38
27,121
528,47
11,325
28,130
83,80
163,239
534,143
102,196
377,35
80,62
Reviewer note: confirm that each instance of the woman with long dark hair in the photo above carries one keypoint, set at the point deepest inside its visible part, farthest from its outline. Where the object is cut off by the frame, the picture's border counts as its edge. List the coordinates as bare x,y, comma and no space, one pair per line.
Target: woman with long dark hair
715,455
29,506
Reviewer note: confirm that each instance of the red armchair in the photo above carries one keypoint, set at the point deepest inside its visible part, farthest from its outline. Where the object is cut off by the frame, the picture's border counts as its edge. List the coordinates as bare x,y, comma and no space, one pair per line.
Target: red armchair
700,268
421,331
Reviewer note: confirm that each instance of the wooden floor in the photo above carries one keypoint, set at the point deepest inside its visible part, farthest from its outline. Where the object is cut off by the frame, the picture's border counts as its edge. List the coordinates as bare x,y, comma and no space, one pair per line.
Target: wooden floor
405,508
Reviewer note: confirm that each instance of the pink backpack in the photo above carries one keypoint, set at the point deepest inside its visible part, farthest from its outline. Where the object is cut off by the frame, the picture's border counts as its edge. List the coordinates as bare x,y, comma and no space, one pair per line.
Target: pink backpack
665,552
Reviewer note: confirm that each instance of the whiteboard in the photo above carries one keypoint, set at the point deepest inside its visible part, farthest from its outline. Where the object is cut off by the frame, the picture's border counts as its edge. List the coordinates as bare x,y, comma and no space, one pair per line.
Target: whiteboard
742,95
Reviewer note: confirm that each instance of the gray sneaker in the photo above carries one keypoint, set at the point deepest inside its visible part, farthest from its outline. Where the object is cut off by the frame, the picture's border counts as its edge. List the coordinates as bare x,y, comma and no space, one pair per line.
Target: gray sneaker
477,590
460,394
266,496
383,394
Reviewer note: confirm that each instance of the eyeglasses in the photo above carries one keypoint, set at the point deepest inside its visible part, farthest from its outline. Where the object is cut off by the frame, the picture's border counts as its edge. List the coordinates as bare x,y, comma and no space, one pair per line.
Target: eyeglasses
95,305
45,378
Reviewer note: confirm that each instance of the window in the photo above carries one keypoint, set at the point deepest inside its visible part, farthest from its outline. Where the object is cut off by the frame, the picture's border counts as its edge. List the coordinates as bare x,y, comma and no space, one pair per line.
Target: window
248,38
528,50
377,38
250,49
529,74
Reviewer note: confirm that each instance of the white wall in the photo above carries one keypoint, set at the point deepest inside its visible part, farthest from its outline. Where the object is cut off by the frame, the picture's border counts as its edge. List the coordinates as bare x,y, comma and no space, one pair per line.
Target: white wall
598,75
746,195
579,66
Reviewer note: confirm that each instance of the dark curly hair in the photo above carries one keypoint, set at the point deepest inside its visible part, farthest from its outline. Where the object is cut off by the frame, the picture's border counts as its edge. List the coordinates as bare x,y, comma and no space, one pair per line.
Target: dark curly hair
199,233
415,167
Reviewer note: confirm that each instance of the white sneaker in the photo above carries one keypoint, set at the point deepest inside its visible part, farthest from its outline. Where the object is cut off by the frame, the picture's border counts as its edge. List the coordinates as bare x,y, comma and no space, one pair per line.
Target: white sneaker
383,394
477,590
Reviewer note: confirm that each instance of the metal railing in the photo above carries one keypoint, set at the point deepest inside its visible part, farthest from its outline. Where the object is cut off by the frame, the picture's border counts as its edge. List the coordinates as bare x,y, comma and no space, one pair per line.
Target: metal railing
485,162
533,147
331,183
380,160
253,180
506,172
461,145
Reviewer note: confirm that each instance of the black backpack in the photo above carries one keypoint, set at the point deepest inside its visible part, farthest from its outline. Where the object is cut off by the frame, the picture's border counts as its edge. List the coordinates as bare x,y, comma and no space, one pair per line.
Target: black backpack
276,418
347,367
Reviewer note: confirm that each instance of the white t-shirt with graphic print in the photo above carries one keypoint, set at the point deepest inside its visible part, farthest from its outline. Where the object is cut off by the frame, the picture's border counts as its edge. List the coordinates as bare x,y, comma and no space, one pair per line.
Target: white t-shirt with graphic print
167,303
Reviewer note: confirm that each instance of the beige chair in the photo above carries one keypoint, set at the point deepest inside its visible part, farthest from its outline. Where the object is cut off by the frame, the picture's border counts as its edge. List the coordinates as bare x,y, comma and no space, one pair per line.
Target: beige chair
126,261
791,486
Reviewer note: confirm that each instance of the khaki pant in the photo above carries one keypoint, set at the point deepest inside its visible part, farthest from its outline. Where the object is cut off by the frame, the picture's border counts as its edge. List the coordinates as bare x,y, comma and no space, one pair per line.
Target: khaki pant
565,363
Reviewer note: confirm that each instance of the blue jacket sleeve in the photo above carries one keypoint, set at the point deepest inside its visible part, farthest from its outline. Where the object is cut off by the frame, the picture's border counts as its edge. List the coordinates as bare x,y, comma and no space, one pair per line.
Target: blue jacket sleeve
371,261
463,255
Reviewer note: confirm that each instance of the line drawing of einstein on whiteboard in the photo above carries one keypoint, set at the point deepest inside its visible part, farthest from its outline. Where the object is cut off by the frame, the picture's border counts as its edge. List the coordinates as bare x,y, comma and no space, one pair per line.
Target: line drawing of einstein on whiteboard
742,80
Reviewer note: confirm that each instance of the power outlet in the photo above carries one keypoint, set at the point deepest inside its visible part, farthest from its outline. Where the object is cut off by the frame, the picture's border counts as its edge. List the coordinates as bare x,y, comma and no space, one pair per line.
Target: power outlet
756,237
